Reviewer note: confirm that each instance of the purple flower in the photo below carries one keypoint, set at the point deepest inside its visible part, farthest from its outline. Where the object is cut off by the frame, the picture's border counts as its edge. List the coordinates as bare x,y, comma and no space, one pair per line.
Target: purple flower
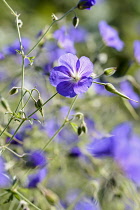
101,148
86,204
2,56
124,147
78,34
11,49
72,76
75,152
5,180
110,36
64,40
35,179
127,89
86,4
36,158
137,50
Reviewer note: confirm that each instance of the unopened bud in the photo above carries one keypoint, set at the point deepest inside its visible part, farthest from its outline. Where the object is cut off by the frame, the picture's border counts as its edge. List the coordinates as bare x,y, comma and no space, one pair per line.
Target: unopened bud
84,127
109,87
79,130
13,91
5,104
38,105
75,21
51,197
79,115
54,17
110,71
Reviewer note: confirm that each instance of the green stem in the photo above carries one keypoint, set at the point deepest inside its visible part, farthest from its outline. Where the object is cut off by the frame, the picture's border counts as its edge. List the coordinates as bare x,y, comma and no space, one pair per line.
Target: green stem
28,117
20,156
10,8
24,198
12,116
6,126
63,124
100,83
49,29
16,131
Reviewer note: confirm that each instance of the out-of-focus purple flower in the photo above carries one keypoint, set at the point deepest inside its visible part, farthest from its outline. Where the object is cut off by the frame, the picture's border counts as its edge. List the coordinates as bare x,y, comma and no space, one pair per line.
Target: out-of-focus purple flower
137,50
86,4
3,76
5,180
64,40
110,36
47,68
2,56
72,76
124,147
111,146
78,34
36,158
67,138
21,135
71,196
53,51
127,89
35,179
86,204
11,49
50,127
101,148
75,152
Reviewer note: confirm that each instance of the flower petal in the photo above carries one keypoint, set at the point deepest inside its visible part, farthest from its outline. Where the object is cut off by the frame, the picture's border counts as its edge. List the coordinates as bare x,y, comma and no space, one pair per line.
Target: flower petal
68,60
83,85
66,89
86,67
59,74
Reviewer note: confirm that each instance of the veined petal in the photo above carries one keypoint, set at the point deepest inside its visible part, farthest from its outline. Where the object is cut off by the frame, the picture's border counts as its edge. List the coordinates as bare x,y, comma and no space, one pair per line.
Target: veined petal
86,67
66,89
68,60
59,74
83,85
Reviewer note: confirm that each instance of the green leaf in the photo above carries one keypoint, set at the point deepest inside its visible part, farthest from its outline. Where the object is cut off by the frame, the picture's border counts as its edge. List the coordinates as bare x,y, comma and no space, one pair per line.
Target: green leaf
74,126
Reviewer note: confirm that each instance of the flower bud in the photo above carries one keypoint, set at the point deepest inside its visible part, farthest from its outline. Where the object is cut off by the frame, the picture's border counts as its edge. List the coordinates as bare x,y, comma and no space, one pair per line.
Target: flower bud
38,104
79,130
110,71
84,127
109,87
51,197
85,4
75,22
5,104
54,17
13,91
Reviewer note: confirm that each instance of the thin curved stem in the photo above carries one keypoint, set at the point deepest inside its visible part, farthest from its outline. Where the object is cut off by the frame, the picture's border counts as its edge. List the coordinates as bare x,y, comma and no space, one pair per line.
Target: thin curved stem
49,29
20,156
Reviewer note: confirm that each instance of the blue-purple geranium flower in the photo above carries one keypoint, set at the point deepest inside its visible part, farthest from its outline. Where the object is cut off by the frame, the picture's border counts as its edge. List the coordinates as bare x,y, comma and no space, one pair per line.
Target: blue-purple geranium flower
86,4
72,76
137,50
110,36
